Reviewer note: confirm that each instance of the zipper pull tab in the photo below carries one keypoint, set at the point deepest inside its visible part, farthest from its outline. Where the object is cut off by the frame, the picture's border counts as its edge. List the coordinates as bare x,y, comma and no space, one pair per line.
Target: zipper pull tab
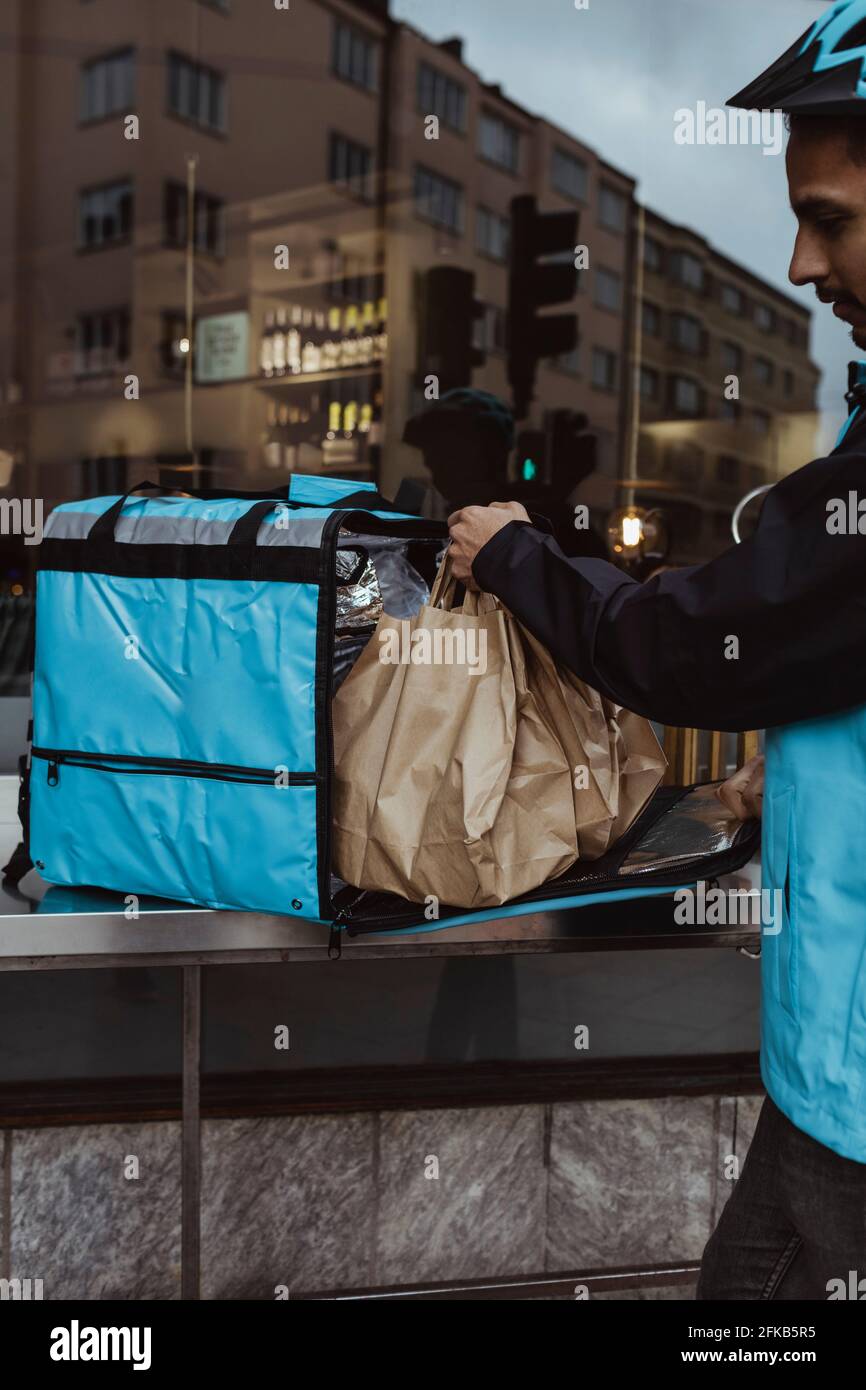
53,774
335,943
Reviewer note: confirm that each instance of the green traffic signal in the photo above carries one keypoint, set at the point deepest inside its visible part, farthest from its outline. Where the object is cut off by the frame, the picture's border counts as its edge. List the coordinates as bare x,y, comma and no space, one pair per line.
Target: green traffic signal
529,470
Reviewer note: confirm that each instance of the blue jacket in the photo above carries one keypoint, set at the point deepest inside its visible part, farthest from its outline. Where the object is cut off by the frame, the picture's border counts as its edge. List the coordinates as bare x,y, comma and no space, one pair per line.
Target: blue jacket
813,971
794,596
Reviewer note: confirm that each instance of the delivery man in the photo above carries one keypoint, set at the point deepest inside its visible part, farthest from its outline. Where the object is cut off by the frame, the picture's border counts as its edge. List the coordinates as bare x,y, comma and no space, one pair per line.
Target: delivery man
771,634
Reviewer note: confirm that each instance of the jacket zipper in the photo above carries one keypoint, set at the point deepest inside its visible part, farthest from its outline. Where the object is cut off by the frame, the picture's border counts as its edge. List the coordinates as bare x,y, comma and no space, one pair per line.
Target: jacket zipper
171,767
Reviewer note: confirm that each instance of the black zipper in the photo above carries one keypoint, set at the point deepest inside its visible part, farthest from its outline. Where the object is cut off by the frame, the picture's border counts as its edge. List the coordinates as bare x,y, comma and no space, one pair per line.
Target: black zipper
172,767
689,873
579,885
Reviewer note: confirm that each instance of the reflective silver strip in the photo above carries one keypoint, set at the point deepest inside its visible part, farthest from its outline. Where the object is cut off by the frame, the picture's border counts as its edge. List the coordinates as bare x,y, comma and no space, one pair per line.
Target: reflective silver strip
187,530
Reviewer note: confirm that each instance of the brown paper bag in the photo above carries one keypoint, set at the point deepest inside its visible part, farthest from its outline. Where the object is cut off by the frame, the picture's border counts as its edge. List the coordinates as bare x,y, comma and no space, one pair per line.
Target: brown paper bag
468,766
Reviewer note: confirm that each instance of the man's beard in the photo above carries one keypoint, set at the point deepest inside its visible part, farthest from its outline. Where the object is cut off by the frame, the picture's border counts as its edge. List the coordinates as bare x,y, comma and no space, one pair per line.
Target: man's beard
858,337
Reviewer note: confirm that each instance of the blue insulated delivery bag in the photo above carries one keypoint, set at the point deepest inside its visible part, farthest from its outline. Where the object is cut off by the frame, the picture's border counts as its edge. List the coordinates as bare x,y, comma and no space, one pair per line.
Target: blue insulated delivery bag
183,677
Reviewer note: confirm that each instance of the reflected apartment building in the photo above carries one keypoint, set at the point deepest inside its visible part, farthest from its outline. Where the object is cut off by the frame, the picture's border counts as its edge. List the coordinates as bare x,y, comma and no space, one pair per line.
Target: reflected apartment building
215,223
726,387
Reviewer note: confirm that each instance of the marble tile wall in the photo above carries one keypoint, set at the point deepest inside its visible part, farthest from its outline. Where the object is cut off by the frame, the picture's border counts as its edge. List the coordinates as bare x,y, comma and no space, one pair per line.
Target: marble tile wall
328,1202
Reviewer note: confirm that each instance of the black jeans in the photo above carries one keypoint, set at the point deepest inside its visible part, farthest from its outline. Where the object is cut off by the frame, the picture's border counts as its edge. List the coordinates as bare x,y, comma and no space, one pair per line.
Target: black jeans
795,1220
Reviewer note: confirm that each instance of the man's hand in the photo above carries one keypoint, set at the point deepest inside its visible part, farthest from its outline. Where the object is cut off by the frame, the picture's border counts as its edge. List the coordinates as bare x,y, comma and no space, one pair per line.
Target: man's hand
743,794
472,527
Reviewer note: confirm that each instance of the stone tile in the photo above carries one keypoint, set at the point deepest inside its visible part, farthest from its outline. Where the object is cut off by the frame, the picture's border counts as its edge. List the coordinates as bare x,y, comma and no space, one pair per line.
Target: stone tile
483,1214
748,1110
738,1116
83,1227
286,1200
630,1181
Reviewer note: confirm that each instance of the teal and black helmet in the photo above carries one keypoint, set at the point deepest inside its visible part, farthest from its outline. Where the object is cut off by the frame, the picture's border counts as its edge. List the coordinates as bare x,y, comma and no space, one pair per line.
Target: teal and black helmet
822,74
466,406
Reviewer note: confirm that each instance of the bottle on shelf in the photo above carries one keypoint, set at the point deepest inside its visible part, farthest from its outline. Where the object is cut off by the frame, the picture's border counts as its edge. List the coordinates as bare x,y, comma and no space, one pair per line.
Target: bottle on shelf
335,415
350,418
293,341
279,344
349,347
380,336
266,347
311,352
366,340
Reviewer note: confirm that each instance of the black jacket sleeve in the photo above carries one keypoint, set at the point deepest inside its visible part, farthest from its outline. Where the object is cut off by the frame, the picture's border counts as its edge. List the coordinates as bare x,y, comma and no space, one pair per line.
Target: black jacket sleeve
771,632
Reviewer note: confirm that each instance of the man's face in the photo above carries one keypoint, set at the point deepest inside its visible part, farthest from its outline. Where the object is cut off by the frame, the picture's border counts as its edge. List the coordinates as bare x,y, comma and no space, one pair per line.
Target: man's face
828,196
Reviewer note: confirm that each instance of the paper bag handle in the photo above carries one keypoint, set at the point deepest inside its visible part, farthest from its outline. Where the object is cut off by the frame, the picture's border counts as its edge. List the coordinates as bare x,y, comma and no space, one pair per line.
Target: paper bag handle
444,585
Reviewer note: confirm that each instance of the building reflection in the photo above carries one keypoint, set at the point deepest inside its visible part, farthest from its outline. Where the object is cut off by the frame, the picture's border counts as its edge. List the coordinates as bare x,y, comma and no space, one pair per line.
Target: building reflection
218,222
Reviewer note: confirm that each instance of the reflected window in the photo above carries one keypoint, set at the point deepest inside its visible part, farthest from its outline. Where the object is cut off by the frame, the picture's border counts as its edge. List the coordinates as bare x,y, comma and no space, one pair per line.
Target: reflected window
612,209
608,290
354,56
687,270
732,357
350,166
488,330
208,220
731,299
105,214
567,361
438,200
764,371
788,383
439,95
729,410
107,85
570,175
649,383
653,255
686,332
499,141
101,341
604,369
492,234
765,318
651,319
196,93
685,396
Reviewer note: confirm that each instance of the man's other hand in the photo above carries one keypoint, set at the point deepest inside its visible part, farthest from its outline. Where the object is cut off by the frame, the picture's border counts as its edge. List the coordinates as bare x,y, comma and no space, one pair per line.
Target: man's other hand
473,527
743,794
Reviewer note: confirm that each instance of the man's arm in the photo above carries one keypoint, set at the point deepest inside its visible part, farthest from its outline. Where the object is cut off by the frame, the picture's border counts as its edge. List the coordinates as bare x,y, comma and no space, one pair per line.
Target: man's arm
771,632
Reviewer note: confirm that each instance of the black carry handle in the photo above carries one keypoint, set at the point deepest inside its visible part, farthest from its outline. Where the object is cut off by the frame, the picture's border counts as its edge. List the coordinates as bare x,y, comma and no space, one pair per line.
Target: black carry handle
363,499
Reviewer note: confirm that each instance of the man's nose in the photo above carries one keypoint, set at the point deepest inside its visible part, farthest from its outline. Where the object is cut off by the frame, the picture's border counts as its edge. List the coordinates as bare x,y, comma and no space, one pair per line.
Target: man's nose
809,265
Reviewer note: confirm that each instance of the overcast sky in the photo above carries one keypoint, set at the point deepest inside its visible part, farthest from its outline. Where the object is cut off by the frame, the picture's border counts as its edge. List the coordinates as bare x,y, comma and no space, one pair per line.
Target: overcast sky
615,74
